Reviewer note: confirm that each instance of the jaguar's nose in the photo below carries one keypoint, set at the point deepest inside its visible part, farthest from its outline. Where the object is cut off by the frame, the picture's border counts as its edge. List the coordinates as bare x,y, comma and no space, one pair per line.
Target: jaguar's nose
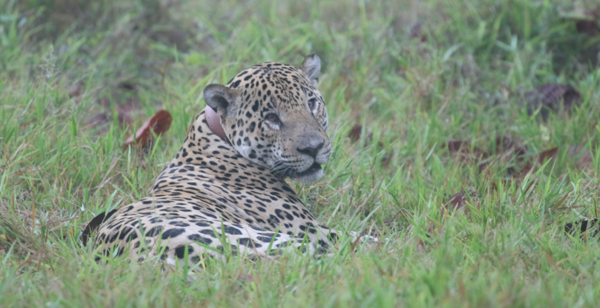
310,150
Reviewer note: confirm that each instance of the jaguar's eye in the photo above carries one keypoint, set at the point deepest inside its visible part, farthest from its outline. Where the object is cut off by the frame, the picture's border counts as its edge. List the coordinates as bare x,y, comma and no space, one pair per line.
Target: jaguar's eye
271,117
312,103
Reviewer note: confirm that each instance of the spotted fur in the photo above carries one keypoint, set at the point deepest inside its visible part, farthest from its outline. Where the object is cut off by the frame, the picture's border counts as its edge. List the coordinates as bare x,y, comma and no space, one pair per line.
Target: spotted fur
230,195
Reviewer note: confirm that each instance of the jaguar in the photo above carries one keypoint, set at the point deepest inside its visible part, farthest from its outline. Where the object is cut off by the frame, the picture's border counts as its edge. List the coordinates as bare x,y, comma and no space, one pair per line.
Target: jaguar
225,191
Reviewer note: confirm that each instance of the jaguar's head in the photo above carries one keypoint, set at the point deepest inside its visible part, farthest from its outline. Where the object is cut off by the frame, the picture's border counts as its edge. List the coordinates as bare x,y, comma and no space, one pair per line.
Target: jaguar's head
274,116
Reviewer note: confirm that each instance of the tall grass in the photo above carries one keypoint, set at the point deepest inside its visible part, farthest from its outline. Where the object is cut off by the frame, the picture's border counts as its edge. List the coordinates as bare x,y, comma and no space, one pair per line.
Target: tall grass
66,64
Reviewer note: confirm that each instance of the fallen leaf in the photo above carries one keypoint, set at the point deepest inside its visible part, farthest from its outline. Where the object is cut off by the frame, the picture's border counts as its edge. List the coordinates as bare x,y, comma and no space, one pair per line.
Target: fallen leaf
550,97
385,161
548,154
125,110
458,200
416,32
455,203
99,121
585,156
467,154
244,277
157,124
355,132
483,166
124,114
464,151
172,37
586,21
521,174
532,166
75,91
582,226
420,245
588,26
506,148
506,144
127,86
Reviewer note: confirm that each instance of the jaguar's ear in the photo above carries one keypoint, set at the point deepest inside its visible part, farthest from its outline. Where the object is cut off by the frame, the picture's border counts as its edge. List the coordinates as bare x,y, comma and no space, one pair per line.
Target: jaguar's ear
222,99
312,67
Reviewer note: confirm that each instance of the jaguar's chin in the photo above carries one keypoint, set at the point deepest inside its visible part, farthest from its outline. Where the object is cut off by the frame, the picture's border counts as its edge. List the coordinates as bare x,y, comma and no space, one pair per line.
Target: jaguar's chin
310,175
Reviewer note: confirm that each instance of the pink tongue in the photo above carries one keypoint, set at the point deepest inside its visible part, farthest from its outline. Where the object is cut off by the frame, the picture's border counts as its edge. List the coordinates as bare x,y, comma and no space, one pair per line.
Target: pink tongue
214,123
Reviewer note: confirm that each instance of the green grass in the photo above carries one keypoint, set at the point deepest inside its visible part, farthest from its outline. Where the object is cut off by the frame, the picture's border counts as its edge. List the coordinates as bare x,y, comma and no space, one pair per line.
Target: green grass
57,171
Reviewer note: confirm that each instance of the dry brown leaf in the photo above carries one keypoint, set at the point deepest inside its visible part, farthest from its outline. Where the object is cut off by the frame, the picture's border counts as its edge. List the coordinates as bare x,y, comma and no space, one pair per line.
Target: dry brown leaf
75,91
355,132
521,174
124,113
506,148
550,97
245,277
97,121
125,110
100,121
458,200
385,161
416,32
548,154
584,159
588,26
464,151
507,144
532,166
420,245
583,226
467,154
157,124
127,86
454,203
586,21
585,156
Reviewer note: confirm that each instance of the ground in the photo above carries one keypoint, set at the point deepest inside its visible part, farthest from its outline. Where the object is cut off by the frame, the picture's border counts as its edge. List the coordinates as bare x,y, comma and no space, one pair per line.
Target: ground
420,78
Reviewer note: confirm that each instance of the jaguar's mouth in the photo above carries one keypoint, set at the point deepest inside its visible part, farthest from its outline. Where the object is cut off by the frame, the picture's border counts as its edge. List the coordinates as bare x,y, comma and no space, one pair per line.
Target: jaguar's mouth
312,174
311,170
